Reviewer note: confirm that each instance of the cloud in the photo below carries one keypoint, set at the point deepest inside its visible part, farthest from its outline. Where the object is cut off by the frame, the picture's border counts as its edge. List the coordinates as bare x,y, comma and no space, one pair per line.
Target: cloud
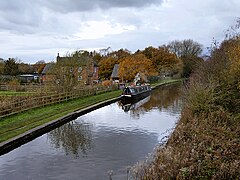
67,6
88,30
27,16
31,29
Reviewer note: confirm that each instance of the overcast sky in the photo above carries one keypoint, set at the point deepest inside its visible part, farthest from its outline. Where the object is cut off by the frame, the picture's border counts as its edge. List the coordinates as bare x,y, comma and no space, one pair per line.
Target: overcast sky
35,30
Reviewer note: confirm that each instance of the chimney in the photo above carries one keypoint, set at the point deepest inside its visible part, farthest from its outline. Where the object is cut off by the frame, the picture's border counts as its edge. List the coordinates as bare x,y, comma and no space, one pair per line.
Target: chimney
58,57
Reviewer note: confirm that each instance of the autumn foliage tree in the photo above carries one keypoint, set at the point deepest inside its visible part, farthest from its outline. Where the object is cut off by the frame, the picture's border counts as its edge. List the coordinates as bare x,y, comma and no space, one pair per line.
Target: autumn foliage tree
120,54
107,62
163,61
106,66
39,66
137,63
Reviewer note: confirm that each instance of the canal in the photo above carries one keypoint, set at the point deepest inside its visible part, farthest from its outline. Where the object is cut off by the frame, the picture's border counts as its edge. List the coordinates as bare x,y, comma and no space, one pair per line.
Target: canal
106,141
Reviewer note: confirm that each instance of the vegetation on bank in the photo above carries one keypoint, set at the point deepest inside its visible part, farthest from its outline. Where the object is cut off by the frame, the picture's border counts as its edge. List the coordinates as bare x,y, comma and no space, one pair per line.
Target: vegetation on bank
17,124
14,93
206,141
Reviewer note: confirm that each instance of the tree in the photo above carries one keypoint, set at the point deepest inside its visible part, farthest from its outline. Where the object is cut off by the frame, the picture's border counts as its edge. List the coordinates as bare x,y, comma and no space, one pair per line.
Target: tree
190,63
1,66
163,61
149,52
107,62
230,56
106,66
11,67
185,48
120,54
96,57
166,62
137,63
39,66
25,68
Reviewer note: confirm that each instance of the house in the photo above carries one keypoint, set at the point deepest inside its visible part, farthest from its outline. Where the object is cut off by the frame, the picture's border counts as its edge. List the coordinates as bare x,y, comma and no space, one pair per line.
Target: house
114,75
45,76
79,68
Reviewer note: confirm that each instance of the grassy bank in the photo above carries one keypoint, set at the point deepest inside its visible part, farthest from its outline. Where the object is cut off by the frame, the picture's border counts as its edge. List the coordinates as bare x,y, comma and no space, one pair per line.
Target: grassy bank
165,81
16,124
206,141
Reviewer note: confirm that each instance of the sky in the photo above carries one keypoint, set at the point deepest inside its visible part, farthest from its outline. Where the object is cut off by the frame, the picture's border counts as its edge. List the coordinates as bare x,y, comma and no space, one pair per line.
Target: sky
33,30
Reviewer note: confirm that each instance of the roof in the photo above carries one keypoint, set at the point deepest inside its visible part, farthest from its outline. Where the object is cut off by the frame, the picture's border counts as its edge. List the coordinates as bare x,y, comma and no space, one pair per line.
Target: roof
115,71
46,68
77,60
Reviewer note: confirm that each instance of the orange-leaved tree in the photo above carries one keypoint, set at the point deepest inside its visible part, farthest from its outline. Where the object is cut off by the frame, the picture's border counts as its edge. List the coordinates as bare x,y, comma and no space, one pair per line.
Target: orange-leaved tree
166,62
106,66
137,63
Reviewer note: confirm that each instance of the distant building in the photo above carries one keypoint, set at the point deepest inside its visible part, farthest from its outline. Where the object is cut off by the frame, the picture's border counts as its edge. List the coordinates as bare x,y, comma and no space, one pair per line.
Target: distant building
44,76
28,78
114,75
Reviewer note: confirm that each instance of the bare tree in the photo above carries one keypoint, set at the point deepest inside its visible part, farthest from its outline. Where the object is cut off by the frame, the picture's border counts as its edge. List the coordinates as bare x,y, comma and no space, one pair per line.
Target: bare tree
186,47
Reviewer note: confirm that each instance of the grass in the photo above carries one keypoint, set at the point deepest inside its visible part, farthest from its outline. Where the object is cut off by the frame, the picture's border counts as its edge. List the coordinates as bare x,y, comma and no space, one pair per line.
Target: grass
165,81
17,124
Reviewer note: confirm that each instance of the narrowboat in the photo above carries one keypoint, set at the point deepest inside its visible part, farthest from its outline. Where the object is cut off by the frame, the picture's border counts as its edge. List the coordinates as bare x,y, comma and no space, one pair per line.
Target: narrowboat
136,91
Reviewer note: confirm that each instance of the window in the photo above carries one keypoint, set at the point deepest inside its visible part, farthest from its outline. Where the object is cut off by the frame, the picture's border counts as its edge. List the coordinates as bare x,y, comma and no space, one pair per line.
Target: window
79,78
80,69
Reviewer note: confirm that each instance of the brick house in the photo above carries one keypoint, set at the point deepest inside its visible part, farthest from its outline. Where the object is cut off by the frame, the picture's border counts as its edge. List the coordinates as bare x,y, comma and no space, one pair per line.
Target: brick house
81,69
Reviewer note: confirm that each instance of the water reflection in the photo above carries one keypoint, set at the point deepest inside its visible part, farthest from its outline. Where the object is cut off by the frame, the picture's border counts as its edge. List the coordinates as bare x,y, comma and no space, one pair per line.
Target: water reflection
73,137
133,104
165,98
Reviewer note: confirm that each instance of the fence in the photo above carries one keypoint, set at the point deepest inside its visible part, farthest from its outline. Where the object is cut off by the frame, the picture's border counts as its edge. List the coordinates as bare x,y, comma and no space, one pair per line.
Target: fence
23,103
27,88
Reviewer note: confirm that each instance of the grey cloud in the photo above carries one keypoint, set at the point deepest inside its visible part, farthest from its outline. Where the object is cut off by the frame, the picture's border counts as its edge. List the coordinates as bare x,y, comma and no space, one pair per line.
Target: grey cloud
27,16
19,16
87,5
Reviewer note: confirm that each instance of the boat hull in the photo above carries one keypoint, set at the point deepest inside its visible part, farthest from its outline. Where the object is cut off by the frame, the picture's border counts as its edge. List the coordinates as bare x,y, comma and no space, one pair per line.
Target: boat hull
134,98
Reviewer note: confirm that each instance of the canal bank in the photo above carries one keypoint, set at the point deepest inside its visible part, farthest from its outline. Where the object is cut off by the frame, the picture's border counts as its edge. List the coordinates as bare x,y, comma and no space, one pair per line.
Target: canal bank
30,134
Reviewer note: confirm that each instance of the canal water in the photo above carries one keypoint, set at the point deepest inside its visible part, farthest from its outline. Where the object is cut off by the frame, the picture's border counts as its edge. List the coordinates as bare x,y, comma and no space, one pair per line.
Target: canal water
101,144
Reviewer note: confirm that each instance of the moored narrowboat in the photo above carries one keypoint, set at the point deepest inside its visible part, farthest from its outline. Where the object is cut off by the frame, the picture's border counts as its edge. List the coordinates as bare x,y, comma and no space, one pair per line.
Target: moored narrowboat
135,91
